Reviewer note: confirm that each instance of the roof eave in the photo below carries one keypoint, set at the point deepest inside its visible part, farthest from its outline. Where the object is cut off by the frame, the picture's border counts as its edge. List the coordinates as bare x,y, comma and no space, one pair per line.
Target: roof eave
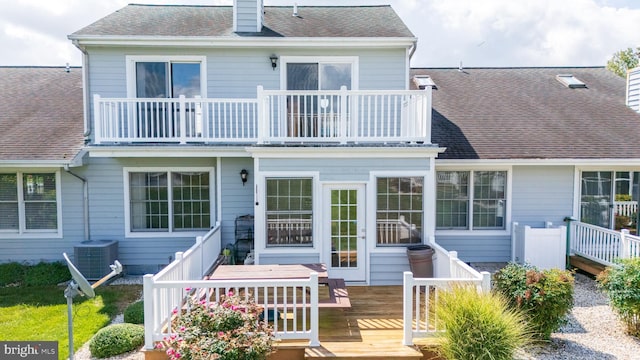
245,41
583,162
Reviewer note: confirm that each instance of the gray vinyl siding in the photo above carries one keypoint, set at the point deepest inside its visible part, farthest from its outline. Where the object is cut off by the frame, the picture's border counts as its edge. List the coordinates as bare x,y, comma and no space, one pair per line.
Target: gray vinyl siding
246,15
237,200
345,169
541,194
106,208
633,89
33,250
236,73
478,247
387,268
284,258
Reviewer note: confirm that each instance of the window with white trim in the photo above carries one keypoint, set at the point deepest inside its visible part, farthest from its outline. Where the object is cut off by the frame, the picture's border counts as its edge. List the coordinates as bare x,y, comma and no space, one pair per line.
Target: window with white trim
169,201
289,212
471,200
399,210
29,202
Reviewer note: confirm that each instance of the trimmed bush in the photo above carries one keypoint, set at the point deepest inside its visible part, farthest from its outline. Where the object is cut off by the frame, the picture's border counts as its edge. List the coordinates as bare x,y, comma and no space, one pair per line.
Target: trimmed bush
116,339
545,297
41,274
134,313
478,325
622,285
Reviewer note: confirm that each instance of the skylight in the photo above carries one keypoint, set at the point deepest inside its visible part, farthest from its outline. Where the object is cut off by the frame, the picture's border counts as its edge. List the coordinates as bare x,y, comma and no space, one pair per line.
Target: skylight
570,81
422,81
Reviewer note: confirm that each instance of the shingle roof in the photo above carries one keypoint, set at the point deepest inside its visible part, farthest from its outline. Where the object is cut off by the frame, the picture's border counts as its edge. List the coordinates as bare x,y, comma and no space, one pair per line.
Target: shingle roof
217,21
40,113
525,113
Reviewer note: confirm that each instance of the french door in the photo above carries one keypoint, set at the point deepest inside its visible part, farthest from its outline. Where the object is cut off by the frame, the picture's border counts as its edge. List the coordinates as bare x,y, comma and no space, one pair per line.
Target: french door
610,199
344,231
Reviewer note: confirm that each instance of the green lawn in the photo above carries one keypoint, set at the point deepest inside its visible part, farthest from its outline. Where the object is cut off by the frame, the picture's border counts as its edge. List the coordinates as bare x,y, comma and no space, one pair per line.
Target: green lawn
40,313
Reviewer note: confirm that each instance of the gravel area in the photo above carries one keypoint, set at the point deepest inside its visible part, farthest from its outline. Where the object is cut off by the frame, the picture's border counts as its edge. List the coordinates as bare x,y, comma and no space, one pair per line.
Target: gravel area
593,332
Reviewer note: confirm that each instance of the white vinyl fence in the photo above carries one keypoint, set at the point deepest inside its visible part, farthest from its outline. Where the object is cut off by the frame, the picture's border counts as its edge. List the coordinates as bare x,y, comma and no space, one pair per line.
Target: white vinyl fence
602,245
545,248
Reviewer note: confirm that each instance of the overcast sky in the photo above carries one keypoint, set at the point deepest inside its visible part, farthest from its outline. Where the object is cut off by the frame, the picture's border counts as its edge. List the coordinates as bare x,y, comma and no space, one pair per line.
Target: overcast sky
492,33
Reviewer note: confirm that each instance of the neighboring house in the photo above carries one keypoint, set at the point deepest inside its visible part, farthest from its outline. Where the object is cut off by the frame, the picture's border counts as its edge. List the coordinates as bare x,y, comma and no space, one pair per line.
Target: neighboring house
310,119
40,138
530,145
633,89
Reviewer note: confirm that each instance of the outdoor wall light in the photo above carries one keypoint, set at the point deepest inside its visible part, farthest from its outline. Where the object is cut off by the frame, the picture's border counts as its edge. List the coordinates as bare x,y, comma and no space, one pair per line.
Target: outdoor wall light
274,61
244,175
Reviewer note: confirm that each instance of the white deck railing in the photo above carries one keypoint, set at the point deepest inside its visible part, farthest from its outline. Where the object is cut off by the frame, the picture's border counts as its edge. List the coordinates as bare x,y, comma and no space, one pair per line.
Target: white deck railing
290,298
272,117
602,245
421,295
625,208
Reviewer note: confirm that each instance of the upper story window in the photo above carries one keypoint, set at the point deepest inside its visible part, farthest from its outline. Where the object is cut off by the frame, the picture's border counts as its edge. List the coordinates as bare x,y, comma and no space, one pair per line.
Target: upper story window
29,203
162,77
471,200
168,201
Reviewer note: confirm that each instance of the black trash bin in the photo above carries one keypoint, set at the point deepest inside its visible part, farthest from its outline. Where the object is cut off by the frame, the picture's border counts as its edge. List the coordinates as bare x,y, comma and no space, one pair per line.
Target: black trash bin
421,260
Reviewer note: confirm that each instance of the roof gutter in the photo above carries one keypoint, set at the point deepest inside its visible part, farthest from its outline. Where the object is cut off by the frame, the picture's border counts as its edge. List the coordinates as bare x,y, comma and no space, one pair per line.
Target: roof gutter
85,87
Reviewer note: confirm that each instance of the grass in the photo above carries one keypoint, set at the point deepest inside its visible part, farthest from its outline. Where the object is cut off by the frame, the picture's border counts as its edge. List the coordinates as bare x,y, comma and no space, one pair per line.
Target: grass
40,313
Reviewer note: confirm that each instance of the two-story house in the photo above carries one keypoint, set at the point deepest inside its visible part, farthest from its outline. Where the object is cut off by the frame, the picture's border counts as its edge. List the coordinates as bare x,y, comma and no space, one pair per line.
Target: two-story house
310,120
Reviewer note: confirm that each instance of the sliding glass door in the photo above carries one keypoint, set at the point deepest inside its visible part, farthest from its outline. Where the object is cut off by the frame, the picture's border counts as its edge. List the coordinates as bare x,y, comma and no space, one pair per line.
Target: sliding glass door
610,199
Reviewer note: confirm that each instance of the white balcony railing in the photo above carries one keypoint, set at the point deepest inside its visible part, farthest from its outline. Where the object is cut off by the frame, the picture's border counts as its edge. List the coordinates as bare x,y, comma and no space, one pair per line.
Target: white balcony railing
273,117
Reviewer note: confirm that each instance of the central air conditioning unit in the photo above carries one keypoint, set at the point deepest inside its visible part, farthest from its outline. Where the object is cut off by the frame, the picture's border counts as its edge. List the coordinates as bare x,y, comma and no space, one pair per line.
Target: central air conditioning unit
94,257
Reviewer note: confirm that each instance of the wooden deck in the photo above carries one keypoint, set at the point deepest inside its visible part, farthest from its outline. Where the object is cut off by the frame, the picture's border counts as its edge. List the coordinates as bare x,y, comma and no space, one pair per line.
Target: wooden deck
370,329
586,265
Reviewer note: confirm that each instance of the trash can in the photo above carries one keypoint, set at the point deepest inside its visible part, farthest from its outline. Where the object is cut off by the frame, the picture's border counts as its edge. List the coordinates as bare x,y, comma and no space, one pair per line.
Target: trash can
421,260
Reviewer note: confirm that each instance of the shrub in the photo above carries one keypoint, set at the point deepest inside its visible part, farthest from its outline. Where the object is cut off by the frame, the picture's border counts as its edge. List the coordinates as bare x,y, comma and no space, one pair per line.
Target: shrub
545,297
134,313
478,325
229,330
116,339
11,273
622,285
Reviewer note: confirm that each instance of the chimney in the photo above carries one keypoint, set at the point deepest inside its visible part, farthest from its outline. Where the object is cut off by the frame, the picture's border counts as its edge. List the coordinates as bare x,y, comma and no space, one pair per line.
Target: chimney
248,15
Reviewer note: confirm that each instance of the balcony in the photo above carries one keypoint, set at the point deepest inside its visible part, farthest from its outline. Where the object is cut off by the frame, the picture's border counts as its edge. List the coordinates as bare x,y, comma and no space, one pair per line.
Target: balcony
274,117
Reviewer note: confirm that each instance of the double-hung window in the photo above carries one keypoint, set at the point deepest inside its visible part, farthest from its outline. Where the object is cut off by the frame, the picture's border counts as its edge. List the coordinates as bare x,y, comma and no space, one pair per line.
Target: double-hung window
29,203
399,210
168,201
471,200
289,212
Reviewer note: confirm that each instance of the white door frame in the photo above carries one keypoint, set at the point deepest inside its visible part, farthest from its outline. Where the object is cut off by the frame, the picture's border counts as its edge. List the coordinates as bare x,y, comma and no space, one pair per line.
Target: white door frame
358,273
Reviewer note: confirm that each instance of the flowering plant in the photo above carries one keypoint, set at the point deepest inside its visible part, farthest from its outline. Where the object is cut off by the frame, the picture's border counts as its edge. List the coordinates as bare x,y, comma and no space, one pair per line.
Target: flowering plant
228,330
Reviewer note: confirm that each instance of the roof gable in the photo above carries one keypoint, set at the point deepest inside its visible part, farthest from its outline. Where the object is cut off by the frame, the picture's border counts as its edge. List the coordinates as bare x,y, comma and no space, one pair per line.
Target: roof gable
217,21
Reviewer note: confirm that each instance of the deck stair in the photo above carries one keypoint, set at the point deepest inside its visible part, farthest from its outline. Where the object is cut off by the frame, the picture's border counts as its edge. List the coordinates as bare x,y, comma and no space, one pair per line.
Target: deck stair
586,265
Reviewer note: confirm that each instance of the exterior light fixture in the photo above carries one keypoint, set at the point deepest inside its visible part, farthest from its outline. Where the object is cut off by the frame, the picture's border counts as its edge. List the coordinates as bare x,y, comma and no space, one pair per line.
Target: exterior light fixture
244,175
274,61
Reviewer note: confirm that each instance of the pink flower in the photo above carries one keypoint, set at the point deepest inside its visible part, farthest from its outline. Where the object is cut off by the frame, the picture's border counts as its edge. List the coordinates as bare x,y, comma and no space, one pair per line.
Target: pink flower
220,333
233,307
159,346
175,311
187,289
230,293
182,328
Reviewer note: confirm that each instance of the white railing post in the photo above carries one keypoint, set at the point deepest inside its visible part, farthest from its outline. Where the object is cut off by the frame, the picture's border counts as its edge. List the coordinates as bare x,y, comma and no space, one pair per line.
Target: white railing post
314,312
262,119
453,257
149,320
514,240
197,130
201,246
407,305
486,281
343,114
624,244
181,265
97,118
183,119
426,109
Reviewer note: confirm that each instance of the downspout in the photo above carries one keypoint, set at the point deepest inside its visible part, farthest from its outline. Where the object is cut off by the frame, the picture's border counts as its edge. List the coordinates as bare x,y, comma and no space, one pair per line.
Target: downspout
85,200
85,86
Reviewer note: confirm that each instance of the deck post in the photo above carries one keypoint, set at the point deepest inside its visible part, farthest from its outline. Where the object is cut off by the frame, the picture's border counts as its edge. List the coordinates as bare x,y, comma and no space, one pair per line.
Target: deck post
453,256
261,126
314,336
624,244
407,314
182,118
97,120
201,246
486,281
147,291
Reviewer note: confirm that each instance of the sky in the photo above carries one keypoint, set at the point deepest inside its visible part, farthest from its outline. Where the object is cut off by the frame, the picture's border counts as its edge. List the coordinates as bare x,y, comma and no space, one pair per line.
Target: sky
476,33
